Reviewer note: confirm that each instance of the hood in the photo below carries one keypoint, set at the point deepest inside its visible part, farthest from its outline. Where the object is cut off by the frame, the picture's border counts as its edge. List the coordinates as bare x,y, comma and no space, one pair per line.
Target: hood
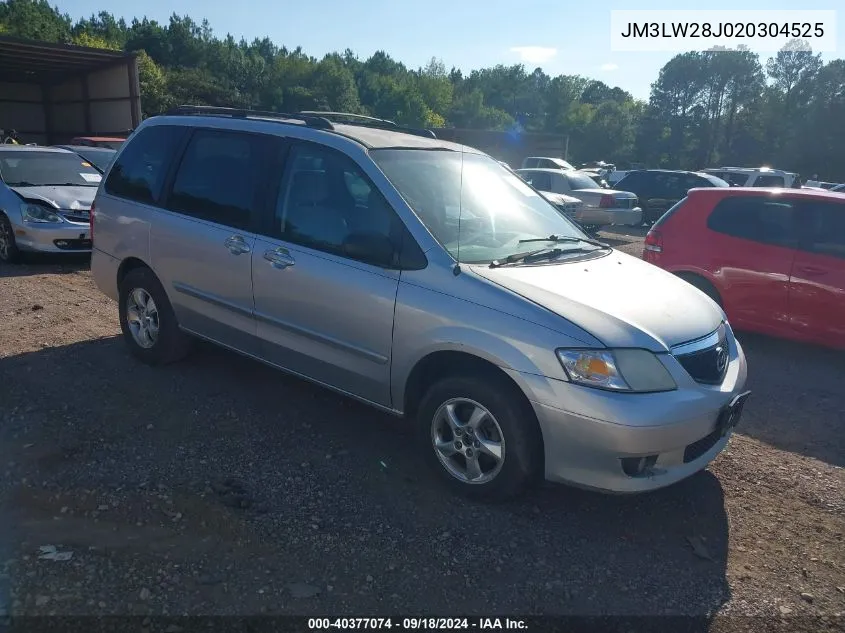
621,300
69,198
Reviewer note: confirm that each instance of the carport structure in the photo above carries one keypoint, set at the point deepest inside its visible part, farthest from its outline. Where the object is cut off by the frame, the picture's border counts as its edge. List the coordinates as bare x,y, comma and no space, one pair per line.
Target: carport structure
50,93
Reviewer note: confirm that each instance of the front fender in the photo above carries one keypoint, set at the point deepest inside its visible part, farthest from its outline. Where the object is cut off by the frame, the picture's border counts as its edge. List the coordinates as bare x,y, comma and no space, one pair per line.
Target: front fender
509,342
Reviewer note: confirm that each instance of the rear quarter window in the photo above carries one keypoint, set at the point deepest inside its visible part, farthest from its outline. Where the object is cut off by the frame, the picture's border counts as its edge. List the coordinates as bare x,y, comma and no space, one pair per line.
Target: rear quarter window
139,172
669,213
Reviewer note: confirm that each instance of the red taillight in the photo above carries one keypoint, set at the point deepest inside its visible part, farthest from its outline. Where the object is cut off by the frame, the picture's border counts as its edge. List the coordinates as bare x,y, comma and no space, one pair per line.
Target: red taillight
91,223
653,244
607,202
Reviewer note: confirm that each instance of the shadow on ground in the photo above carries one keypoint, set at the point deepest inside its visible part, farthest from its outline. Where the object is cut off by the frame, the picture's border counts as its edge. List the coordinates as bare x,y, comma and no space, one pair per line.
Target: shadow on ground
344,500
46,264
797,397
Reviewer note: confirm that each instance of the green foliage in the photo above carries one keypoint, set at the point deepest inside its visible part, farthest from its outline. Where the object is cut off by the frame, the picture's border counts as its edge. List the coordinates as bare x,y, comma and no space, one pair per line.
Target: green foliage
704,109
35,19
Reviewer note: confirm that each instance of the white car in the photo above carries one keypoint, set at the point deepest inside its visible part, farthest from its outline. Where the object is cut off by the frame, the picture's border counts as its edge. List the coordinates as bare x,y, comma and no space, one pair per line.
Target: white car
601,206
567,205
754,176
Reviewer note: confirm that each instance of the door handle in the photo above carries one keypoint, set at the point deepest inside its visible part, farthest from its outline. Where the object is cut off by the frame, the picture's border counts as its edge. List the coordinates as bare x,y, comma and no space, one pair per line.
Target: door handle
813,271
236,245
279,258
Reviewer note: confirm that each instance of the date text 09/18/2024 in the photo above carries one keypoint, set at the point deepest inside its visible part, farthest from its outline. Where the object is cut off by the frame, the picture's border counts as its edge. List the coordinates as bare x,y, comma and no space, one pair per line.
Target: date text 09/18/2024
417,624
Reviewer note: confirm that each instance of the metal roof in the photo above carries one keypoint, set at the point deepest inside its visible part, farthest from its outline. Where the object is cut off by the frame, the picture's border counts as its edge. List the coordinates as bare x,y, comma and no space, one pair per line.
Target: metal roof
34,61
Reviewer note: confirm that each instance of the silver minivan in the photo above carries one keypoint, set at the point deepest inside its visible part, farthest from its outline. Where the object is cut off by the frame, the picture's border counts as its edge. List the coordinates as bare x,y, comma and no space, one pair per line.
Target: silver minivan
421,277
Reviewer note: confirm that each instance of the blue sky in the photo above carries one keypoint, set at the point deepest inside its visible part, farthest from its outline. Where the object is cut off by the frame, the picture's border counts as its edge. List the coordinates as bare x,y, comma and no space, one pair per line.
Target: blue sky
561,36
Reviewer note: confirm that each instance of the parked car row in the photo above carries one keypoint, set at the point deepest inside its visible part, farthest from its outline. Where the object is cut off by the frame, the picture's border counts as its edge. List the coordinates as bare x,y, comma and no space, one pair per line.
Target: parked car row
600,206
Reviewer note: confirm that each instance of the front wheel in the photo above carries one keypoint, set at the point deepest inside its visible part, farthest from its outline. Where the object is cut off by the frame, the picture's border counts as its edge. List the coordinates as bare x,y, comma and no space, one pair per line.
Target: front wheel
9,252
480,436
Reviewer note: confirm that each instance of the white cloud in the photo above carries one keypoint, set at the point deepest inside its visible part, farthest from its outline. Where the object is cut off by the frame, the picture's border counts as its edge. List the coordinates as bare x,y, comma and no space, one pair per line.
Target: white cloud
534,54
608,67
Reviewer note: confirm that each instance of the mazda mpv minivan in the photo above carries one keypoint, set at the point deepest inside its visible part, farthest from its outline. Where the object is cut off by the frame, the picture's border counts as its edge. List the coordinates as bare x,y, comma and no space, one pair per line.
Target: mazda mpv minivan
425,279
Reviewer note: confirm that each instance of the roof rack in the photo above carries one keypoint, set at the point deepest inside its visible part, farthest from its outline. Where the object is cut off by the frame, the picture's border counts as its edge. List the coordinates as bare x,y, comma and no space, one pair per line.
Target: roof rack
309,119
350,118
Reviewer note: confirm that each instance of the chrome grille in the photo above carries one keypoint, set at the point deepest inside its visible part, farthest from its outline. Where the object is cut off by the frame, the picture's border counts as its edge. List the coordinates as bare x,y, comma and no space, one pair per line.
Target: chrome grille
705,359
75,216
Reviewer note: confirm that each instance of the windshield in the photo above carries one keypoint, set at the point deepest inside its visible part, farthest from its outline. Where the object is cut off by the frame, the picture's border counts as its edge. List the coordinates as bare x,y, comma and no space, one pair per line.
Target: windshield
714,181
562,163
496,208
33,169
101,158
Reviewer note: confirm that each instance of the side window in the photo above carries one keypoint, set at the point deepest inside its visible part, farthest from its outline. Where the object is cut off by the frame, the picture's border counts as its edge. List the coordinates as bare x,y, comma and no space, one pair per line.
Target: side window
765,180
327,203
219,178
630,181
756,218
668,186
531,163
541,181
827,229
140,170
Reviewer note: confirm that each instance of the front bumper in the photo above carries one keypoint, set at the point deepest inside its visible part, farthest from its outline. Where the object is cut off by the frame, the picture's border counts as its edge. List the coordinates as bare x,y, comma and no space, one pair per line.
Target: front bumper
587,432
603,217
67,237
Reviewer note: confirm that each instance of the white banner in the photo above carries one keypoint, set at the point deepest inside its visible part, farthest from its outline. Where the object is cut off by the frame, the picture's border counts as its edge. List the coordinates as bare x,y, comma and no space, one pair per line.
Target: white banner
684,31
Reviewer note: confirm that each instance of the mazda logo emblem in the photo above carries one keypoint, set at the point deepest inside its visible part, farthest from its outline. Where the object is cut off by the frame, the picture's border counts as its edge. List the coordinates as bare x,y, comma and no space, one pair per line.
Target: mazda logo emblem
721,358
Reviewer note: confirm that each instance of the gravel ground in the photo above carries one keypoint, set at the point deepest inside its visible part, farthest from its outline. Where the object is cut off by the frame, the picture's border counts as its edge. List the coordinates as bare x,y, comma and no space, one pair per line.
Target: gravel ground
219,486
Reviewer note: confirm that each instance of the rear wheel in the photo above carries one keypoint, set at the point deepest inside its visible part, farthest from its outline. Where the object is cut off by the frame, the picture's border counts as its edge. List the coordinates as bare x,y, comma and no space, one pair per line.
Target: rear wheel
147,320
9,252
704,285
480,437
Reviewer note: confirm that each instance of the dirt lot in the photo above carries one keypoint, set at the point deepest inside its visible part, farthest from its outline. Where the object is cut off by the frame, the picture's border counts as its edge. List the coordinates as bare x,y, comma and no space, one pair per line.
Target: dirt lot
219,486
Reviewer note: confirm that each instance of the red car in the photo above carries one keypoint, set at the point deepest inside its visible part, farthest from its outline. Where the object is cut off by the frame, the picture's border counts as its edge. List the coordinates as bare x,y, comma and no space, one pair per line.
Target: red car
774,259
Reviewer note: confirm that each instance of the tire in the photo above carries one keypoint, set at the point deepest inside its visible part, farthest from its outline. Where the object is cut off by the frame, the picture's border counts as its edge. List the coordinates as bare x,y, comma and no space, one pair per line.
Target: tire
9,253
705,286
507,416
168,343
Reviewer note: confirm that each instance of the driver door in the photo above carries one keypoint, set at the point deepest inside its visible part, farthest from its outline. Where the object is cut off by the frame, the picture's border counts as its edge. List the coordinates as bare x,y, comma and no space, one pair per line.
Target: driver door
320,312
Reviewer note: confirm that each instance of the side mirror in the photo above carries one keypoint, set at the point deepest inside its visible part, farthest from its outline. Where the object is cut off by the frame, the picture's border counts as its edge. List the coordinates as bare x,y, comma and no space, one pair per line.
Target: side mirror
372,248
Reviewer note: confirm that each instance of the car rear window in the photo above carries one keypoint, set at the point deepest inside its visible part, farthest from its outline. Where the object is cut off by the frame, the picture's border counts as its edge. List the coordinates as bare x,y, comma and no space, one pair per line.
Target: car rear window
669,213
714,181
581,181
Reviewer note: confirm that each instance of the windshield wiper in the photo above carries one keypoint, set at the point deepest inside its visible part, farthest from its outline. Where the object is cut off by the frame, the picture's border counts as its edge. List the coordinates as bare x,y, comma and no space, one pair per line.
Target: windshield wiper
540,253
71,184
558,239
22,183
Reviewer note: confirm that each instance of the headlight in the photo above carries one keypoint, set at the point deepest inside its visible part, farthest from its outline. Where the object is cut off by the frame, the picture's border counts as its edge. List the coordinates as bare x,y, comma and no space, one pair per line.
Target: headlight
37,213
633,370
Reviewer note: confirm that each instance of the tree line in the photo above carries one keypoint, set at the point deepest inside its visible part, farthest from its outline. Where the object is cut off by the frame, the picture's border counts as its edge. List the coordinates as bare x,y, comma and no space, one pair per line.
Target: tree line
705,108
